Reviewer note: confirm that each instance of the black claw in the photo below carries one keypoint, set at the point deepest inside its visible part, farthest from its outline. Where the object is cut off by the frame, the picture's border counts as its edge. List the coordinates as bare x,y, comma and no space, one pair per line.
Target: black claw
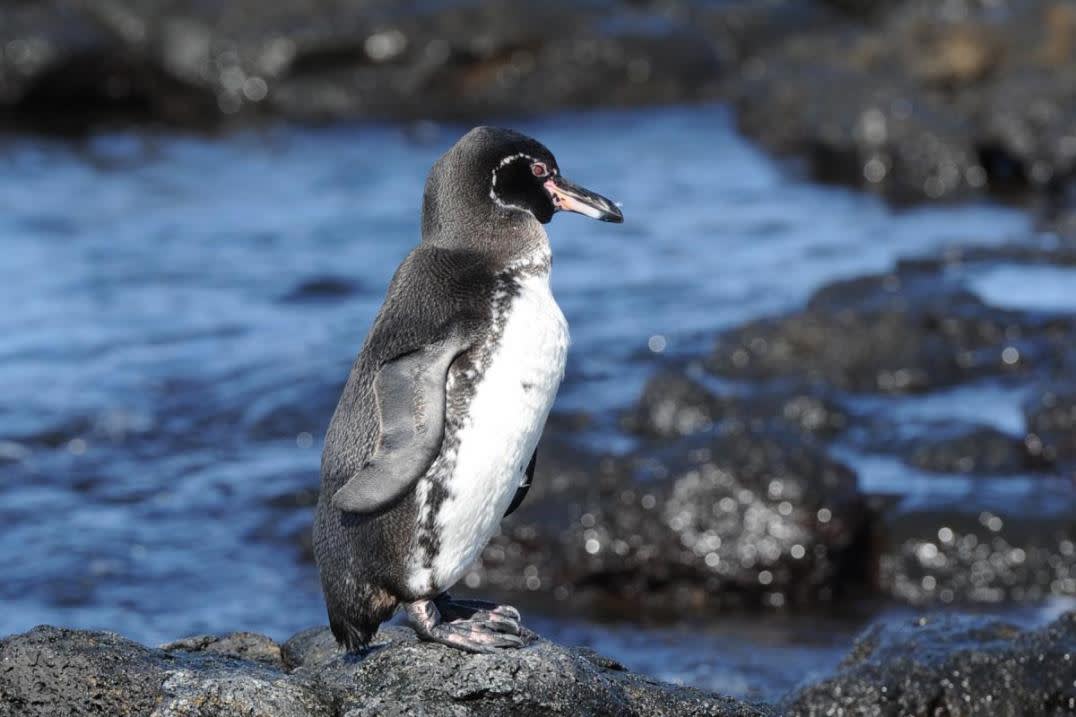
452,609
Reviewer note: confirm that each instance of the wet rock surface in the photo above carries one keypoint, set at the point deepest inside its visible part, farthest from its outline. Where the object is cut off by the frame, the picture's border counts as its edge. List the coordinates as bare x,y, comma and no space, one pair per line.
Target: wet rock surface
905,331
979,450
826,378
956,448
674,404
991,550
953,665
1051,420
736,518
918,330
53,671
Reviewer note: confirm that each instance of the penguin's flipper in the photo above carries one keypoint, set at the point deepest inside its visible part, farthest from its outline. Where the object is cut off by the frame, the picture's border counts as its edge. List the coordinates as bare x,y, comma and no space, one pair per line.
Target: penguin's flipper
521,491
410,392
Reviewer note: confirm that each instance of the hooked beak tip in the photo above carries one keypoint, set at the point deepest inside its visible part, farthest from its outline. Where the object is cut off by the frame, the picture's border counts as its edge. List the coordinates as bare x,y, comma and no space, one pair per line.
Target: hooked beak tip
570,197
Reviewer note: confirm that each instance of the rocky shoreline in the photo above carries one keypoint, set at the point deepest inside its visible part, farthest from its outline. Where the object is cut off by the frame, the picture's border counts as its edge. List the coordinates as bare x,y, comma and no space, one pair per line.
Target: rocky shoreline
915,100
71,65
53,671
742,488
956,665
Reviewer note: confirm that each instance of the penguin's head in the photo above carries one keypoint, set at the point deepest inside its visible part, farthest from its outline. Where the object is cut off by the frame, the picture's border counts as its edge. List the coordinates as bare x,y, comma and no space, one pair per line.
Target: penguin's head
500,173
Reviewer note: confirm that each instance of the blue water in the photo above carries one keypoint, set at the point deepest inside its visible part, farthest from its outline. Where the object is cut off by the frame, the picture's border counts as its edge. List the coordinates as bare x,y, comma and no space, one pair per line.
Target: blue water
1035,288
165,376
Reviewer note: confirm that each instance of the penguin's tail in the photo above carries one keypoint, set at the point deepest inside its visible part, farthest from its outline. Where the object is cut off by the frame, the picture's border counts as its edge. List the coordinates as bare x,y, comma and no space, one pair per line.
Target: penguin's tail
354,626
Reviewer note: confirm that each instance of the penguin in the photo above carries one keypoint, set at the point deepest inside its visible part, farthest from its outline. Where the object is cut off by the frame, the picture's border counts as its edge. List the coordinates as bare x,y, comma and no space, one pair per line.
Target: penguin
433,439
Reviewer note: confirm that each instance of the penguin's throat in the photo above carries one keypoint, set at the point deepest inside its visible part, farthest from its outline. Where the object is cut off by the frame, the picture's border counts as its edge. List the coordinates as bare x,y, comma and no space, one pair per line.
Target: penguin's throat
538,260
506,237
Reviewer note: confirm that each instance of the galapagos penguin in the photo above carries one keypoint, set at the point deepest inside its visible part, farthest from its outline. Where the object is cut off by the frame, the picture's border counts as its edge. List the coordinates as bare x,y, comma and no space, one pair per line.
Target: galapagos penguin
434,436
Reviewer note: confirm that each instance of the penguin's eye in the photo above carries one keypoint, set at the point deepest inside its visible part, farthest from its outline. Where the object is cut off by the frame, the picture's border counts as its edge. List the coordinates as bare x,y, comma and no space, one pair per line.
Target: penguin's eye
539,169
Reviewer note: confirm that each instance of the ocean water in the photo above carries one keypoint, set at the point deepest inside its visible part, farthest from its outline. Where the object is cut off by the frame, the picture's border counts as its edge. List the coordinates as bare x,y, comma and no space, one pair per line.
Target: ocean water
180,312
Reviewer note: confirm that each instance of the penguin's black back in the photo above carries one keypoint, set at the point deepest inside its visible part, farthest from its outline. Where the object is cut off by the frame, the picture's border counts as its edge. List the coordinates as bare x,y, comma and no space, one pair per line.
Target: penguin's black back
362,559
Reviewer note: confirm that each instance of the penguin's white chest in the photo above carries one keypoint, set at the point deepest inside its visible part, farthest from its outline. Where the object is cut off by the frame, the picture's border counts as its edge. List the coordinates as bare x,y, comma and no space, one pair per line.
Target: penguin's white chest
504,420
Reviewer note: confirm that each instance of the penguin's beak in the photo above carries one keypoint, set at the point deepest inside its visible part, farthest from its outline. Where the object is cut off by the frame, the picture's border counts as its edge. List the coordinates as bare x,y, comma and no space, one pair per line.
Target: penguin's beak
570,197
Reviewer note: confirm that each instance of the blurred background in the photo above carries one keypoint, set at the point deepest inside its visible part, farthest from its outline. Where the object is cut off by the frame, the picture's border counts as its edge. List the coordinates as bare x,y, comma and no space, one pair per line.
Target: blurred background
824,375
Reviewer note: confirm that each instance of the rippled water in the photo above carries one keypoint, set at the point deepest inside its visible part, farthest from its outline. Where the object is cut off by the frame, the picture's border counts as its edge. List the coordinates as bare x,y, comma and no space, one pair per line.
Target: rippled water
180,313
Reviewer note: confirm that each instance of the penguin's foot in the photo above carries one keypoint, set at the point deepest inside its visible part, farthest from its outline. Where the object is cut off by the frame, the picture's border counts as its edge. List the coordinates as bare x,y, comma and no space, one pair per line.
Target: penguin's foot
482,631
452,609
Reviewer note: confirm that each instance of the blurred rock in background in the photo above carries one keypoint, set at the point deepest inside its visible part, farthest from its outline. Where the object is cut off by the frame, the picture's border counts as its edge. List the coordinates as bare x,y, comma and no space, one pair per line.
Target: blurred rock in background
69,64
917,100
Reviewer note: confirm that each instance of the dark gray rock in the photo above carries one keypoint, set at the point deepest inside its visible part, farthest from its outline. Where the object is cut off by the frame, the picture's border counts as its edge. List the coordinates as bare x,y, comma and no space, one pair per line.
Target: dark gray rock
409,677
675,404
862,126
959,666
55,672
1044,248
244,645
922,100
1051,421
865,8
742,29
976,450
993,549
72,65
59,672
735,519
189,63
315,645
903,332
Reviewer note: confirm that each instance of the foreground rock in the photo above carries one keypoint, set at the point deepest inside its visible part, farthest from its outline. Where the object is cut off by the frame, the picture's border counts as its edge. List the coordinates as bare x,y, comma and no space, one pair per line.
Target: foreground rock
53,672
957,665
951,665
